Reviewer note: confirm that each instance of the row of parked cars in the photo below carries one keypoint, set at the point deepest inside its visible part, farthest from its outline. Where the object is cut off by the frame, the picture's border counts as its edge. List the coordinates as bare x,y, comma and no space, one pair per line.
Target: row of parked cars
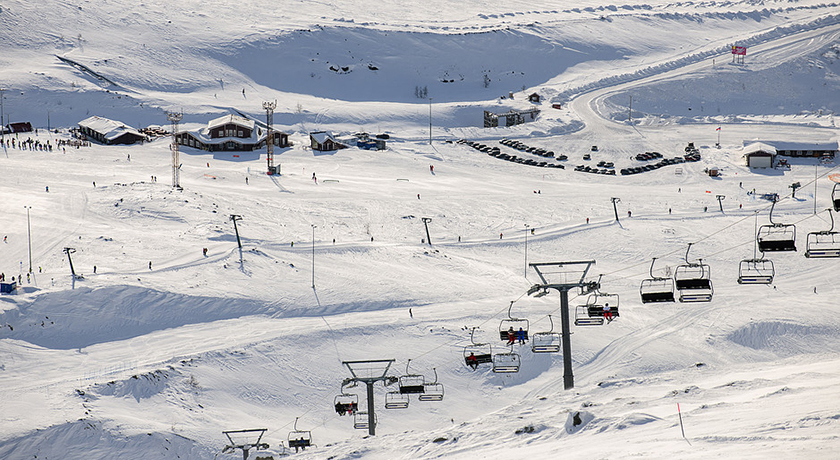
535,150
647,156
588,169
687,158
496,152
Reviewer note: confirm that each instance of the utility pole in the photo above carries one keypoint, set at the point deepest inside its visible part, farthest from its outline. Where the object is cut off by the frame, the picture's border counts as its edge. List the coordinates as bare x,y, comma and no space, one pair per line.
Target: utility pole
426,221
29,235
567,272
615,208
174,118
526,250
720,199
2,126
269,139
630,111
815,187
234,218
313,255
430,121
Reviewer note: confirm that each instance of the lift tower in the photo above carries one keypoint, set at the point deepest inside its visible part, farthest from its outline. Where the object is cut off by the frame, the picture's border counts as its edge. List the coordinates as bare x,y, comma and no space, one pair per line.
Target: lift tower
565,276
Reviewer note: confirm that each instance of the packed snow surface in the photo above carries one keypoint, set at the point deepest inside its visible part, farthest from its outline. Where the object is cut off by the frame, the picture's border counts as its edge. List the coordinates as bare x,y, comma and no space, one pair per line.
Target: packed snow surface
156,347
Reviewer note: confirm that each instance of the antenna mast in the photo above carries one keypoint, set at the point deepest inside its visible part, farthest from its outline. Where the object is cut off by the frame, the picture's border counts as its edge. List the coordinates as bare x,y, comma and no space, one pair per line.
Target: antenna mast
174,118
269,138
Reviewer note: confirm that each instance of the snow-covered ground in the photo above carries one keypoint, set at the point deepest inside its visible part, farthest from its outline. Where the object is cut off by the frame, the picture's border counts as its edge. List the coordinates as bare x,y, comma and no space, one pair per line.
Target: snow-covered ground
159,348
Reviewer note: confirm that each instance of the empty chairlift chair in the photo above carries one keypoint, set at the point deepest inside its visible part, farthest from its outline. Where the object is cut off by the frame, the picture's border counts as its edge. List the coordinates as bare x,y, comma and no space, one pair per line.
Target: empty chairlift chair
476,354
776,236
433,391
656,289
300,439
693,280
396,400
411,383
506,363
825,243
361,421
546,342
519,326
756,270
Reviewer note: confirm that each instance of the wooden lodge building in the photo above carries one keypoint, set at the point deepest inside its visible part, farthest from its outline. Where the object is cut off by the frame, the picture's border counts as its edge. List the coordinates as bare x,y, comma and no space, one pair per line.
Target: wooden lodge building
324,141
109,132
230,133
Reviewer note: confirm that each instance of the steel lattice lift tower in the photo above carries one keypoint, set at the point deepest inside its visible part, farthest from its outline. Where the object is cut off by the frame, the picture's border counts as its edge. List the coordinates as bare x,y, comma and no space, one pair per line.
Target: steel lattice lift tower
269,138
174,118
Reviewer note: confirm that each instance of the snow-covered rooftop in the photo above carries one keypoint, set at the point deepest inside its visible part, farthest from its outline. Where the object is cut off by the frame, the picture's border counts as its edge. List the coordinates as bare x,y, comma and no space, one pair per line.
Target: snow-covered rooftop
110,129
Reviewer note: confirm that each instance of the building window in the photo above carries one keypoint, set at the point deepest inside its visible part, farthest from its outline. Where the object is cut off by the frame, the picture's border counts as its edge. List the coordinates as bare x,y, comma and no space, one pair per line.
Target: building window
240,133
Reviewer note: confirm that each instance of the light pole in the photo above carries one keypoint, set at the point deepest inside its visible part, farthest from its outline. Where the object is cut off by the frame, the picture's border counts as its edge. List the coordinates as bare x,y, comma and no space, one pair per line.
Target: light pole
2,126
526,250
313,255
430,121
29,235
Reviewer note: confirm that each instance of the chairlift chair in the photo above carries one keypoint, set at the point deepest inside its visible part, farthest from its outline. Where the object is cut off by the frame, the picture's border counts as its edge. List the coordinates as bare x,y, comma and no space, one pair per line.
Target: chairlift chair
835,197
776,236
693,280
756,270
396,400
546,342
411,383
300,439
482,352
432,391
361,421
656,289
594,312
512,323
824,244
346,403
506,363
582,317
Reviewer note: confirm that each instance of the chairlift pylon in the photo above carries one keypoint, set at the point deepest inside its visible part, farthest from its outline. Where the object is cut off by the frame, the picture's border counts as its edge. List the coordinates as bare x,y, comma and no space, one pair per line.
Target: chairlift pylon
656,289
519,326
506,363
299,439
476,354
824,244
693,280
776,236
546,342
756,270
